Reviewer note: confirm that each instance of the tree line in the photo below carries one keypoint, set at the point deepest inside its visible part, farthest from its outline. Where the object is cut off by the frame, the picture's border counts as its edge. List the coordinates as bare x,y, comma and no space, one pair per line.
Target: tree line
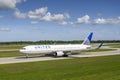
57,42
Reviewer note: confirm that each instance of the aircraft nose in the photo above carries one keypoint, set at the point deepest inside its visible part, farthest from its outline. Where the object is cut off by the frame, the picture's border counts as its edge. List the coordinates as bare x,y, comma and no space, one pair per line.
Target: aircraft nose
22,50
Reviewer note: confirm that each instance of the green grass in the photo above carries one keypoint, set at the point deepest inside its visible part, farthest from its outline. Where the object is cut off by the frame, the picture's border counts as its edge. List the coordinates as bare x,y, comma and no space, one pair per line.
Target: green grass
96,68
10,54
4,47
4,50
114,45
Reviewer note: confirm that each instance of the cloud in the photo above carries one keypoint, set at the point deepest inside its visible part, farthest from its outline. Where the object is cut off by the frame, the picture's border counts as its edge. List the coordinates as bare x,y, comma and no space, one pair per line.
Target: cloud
19,15
1,17
113,21
84,19
33,16
34,22
55,17
100,21
60,17
9,4
38,13
36,28
66,23
5,29
63,23
42,14
47,17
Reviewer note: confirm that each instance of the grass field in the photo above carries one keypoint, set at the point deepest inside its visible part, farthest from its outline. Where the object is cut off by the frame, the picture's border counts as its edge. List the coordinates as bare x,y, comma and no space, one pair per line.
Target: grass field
10,53
4,47
114,45
96,68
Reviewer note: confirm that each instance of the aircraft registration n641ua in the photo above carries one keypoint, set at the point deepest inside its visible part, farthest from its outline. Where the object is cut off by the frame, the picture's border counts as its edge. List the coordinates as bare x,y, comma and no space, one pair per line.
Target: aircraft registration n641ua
57,50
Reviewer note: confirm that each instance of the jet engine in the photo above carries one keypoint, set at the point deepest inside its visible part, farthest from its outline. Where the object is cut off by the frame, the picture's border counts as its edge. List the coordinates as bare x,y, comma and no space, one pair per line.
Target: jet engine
59,53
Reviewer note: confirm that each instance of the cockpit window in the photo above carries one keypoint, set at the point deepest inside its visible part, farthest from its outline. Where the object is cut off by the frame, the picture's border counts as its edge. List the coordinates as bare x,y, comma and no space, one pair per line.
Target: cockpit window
23,48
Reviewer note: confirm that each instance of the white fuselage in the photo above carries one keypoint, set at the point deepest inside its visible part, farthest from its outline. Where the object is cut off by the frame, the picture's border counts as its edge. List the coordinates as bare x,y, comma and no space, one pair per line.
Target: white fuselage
57,50
42,49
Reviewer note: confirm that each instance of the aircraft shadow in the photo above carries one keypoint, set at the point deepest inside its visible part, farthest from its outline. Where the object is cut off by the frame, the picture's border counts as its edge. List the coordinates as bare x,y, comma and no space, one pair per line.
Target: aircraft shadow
24,57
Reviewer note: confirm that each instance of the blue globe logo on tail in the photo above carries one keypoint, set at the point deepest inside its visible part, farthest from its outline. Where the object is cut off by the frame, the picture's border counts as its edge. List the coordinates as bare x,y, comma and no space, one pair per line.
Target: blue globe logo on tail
88,39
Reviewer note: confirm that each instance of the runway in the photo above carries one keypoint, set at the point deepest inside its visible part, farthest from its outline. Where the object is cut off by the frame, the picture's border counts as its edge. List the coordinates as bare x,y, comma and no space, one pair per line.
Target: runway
41,58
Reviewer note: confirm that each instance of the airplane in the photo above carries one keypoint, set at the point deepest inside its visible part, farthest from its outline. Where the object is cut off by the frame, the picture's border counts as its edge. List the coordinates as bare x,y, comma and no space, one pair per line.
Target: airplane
57,50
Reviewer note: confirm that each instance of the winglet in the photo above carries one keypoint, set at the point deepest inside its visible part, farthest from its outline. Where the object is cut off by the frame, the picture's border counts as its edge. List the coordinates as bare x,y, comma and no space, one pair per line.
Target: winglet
88,39
101,44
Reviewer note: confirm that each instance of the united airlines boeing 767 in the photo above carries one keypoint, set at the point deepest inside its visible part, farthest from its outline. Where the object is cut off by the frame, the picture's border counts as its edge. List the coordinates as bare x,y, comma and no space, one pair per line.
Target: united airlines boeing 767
57,50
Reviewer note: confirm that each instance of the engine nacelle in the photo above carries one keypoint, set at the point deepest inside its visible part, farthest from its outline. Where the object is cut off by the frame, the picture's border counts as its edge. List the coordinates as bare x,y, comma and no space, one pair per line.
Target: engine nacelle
59,53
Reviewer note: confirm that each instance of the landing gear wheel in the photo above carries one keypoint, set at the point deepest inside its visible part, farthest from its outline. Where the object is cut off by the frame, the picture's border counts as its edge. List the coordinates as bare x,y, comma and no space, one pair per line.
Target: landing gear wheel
65,55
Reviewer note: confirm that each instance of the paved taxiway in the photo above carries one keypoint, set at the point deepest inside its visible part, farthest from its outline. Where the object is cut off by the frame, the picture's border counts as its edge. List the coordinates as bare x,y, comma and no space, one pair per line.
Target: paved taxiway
23,59
93,54
40,58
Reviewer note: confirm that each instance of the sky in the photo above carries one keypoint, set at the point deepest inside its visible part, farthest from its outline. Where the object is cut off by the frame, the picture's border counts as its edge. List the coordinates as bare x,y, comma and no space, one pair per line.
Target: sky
34,20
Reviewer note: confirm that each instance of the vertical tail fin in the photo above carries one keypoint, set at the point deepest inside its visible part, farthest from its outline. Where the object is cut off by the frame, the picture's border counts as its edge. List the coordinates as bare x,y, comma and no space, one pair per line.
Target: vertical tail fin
88,39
